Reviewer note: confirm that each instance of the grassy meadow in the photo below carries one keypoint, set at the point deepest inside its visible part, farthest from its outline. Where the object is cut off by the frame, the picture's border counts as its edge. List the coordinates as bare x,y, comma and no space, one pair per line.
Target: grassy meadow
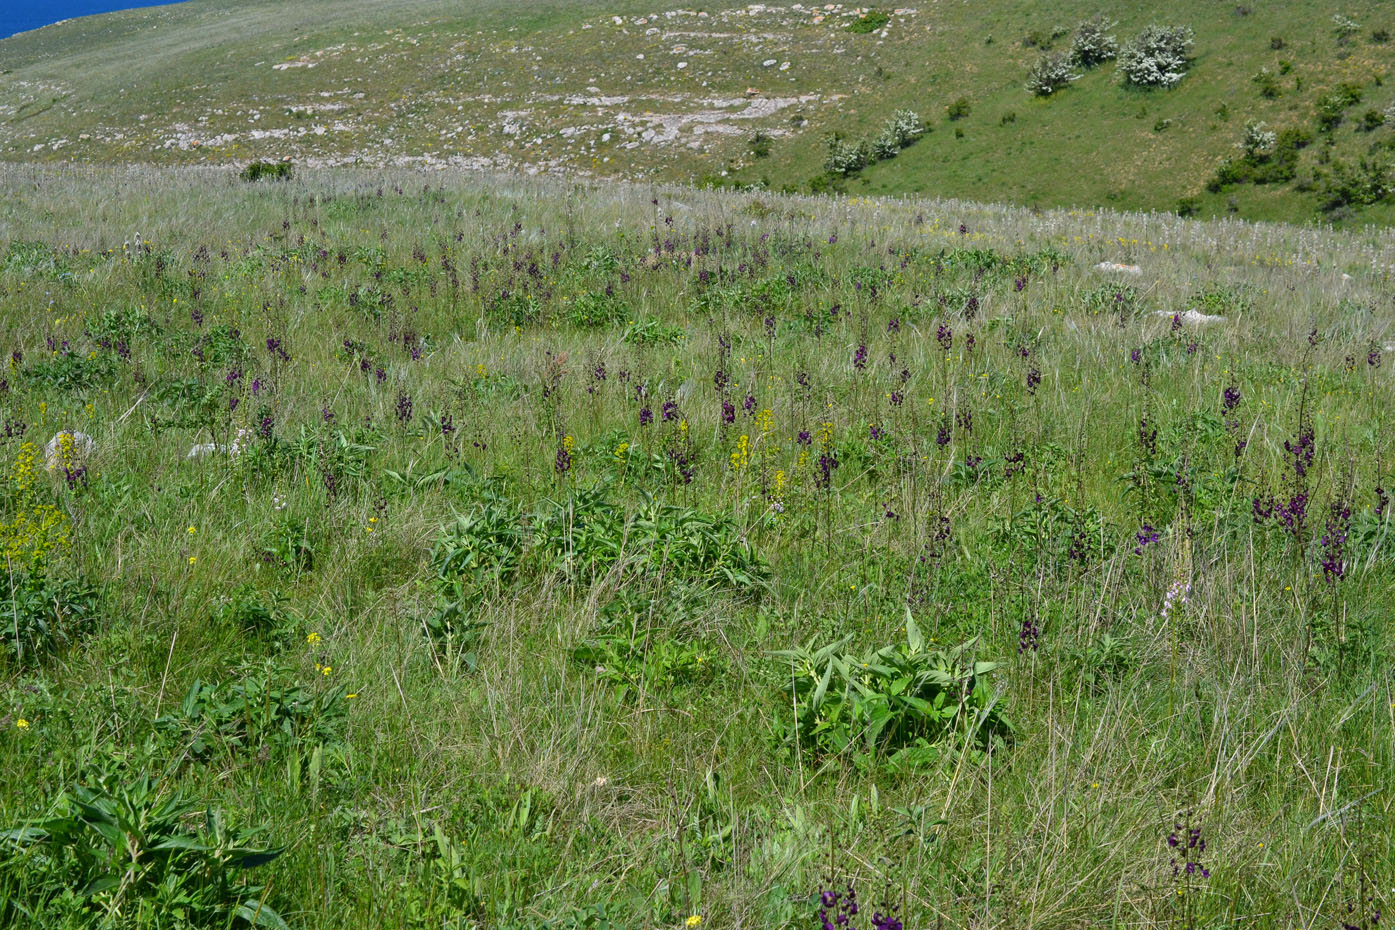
460,551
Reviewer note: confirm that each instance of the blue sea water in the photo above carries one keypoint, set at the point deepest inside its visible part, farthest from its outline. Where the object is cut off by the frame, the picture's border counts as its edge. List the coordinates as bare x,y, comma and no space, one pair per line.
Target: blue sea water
21,15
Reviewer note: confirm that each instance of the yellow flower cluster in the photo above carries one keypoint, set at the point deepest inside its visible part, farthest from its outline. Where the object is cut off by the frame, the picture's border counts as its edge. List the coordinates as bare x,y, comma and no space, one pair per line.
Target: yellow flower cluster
742,456
36,531
765,421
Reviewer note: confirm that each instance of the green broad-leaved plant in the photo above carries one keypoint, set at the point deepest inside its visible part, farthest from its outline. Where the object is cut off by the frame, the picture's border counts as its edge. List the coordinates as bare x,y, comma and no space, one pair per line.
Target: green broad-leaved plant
899,704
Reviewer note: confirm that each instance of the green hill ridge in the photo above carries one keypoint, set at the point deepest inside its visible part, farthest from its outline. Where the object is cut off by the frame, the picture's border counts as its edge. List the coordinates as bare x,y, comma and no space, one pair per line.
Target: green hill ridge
730,94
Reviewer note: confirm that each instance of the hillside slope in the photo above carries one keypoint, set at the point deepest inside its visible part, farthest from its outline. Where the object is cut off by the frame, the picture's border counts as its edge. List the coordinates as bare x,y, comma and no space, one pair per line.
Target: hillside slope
726,94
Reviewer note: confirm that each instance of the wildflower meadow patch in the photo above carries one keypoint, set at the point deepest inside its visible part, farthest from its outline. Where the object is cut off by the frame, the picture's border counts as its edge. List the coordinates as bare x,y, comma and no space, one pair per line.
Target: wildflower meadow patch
429,550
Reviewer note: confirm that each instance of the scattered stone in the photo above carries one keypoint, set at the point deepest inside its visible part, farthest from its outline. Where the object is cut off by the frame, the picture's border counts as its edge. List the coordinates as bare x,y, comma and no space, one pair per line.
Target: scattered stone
1119,268
1195,317
66,448
203,449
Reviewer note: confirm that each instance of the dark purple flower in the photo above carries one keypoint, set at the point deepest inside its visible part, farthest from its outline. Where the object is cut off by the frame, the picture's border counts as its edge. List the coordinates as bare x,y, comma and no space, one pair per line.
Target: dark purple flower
1028,636
1146,536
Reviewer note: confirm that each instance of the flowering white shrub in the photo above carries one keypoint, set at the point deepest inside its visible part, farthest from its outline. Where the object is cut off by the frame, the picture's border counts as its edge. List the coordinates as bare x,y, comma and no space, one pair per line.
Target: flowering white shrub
904,127
845,157
1158,56
884,147
1093,44
1258,140
1050,74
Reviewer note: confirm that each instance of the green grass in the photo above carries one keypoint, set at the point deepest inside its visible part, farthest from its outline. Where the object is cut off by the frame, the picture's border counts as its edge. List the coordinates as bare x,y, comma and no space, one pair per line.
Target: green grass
470,643
560,87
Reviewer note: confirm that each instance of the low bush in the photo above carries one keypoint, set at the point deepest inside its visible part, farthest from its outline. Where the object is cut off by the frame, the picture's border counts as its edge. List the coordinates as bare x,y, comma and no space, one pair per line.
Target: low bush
846,158
869,22
1093,44
1332,106
1051,73
267,171
1159,56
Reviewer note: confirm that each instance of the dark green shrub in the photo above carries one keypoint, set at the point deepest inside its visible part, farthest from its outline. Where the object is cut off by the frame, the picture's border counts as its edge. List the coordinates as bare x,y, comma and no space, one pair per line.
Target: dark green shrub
1367,182
958,109
870,21
1044,39
1268,84
1332,107
267,171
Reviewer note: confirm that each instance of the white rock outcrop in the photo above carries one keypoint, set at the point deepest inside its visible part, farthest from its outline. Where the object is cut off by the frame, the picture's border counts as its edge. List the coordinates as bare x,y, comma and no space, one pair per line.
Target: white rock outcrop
68,447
